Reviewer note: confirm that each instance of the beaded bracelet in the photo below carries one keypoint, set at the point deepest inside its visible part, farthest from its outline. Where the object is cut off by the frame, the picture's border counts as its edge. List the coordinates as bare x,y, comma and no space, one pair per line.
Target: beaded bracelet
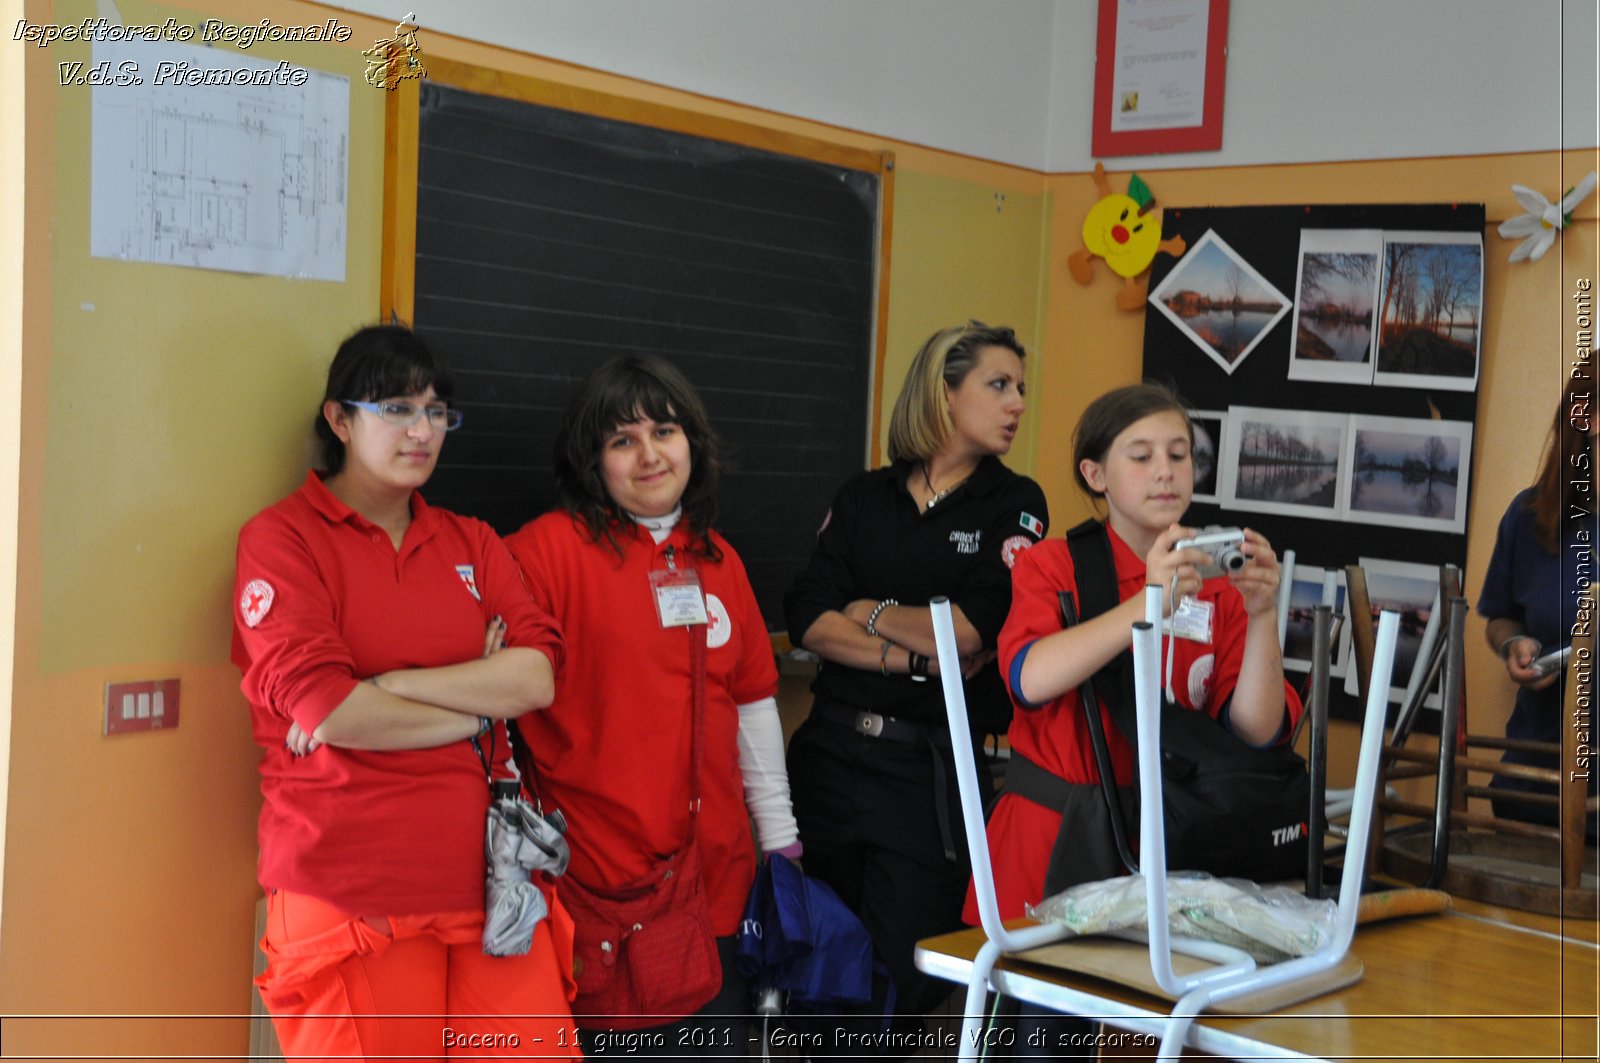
883,658
877,611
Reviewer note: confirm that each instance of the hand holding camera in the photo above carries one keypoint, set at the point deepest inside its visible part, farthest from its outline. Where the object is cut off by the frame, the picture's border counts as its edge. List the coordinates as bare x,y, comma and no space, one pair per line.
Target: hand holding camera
1244,556
1222,546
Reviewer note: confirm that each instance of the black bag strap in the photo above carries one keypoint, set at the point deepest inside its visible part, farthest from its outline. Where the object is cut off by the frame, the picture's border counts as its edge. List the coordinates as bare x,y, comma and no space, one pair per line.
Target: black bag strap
1095,570
1102,753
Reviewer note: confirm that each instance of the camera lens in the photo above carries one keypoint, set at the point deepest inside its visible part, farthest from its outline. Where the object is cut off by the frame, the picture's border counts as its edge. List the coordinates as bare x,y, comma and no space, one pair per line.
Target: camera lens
1233,560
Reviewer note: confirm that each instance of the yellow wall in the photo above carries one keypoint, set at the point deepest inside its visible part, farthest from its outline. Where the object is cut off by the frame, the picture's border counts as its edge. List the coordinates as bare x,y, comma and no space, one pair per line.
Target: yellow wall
154,423
12,153
964,249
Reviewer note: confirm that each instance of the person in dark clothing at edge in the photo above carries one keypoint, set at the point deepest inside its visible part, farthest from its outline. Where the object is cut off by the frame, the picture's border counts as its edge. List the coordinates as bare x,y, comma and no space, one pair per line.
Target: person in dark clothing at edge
871,770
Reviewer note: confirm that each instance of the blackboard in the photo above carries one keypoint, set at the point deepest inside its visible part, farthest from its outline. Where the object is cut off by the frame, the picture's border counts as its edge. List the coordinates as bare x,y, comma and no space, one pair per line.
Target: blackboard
549,241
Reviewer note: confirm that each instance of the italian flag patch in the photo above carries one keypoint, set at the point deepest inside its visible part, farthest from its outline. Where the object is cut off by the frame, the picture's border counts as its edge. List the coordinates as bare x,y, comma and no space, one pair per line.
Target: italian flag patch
1032,523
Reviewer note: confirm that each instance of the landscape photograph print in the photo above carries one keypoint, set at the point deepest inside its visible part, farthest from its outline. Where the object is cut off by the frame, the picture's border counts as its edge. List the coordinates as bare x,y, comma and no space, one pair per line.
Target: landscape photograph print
1309,587
1207,452
1284,461
1430,311
1408,473
1336,296
1411,591
1219,301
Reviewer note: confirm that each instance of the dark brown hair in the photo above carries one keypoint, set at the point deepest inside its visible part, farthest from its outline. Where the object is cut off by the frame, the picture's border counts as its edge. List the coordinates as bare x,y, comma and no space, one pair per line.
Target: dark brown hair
1568,456
623,391
1114,411
377,362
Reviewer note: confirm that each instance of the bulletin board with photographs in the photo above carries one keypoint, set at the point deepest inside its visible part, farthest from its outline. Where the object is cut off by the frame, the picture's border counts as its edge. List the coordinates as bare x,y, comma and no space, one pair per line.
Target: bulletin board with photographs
1330,357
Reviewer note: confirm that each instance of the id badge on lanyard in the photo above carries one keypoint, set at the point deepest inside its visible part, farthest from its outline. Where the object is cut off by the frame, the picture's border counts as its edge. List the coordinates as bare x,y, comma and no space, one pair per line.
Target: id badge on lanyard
1190,620
676,591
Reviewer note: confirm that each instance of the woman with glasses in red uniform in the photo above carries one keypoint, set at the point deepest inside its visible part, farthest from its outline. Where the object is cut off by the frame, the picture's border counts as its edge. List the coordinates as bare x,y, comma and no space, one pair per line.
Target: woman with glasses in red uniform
384,643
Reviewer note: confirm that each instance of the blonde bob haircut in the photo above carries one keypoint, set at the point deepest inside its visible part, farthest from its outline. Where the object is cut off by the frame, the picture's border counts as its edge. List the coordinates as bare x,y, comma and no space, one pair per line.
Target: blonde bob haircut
920,424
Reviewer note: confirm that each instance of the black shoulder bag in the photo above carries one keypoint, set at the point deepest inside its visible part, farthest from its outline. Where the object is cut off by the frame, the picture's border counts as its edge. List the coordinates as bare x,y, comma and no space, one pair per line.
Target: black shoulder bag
1232,809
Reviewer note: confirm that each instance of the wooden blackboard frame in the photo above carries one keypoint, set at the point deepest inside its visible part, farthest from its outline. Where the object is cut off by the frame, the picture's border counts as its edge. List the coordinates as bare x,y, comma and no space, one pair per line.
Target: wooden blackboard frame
407,137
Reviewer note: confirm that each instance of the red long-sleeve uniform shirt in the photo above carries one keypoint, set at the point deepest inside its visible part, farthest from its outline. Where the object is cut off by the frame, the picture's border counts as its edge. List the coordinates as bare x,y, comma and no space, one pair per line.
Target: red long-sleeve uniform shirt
322,600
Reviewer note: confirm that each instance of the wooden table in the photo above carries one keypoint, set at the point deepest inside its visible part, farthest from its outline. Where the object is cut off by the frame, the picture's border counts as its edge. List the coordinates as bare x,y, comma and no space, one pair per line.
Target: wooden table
1478,982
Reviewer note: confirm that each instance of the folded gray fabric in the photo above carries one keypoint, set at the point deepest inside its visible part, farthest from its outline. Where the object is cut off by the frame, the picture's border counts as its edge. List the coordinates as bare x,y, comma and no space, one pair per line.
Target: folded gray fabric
518,841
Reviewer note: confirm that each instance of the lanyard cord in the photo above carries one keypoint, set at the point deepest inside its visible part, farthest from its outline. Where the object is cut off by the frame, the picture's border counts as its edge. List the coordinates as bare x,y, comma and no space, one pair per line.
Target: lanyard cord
486,761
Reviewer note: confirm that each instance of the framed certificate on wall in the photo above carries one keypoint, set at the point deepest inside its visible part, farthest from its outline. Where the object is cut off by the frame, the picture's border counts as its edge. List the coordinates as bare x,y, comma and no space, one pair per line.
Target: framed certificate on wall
1158,76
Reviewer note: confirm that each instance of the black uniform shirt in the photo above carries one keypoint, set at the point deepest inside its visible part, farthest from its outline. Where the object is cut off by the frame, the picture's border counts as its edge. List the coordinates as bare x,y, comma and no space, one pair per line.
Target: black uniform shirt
876,544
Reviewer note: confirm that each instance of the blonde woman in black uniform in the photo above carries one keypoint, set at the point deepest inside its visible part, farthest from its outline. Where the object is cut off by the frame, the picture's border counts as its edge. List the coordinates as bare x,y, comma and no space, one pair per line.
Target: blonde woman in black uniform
874,790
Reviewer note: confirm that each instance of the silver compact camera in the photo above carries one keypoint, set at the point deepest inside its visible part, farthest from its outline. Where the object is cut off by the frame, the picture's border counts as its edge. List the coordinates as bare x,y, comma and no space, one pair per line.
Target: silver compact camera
1222,545
1553,661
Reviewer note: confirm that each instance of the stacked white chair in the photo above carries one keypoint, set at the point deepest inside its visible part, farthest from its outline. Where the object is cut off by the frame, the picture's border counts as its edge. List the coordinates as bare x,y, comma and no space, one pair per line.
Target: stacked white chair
1233,973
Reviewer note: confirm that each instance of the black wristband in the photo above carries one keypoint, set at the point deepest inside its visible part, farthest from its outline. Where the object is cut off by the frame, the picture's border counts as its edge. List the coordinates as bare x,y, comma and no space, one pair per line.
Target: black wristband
919,666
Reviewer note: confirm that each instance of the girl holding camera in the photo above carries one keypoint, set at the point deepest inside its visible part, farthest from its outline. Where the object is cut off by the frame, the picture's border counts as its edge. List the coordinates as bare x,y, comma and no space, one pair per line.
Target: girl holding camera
1132,451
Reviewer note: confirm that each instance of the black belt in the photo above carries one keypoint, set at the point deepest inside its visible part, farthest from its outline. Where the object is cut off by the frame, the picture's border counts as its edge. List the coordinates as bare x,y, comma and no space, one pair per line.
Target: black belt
872,724
901,732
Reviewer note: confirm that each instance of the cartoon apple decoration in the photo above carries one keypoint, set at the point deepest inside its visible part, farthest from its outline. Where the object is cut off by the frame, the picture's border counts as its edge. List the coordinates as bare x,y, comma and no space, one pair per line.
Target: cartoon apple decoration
1122,230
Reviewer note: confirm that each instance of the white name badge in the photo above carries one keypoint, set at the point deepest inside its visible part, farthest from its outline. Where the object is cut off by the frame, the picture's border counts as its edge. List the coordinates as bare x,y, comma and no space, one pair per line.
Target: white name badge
679,602
1191,620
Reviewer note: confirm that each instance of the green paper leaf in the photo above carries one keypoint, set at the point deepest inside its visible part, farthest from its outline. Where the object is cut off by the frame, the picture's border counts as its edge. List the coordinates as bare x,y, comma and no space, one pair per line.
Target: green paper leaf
1139,192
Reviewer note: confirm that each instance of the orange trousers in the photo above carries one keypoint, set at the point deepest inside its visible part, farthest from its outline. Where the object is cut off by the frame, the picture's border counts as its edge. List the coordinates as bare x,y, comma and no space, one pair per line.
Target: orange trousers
412,986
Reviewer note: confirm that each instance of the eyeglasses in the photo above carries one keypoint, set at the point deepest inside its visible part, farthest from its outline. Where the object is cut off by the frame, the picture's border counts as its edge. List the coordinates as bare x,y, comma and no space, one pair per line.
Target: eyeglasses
406,414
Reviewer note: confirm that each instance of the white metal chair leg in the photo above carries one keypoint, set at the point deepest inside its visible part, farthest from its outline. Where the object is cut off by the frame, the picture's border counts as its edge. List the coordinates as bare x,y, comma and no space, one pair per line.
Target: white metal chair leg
972,1014
1211,986
1001,940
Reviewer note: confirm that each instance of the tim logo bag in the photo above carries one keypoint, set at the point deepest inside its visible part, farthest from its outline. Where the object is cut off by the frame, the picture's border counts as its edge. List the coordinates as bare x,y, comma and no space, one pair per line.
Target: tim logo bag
1231,809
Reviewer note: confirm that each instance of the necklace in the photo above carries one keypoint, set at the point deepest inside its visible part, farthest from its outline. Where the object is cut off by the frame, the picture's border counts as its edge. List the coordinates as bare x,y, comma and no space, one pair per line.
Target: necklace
937,495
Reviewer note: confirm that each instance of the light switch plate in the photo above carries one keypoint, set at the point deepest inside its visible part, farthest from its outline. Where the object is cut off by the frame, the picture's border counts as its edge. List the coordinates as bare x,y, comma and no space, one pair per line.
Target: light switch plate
146,705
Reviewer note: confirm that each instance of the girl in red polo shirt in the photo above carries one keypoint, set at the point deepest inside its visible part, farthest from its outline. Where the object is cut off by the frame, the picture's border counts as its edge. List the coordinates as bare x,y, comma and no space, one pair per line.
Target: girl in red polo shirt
633,571
1133,452
383,645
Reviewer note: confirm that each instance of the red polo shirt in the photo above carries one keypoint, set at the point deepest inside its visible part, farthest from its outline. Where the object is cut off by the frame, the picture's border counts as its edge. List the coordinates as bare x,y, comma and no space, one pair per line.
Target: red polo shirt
613,750
322,600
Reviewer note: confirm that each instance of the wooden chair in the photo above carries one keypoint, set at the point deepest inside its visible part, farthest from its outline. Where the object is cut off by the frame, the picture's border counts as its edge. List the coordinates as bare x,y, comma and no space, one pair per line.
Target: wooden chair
1502,861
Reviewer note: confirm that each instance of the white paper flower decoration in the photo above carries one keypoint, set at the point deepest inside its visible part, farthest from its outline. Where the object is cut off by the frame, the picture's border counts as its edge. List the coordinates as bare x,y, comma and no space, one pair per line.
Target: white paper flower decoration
1543,220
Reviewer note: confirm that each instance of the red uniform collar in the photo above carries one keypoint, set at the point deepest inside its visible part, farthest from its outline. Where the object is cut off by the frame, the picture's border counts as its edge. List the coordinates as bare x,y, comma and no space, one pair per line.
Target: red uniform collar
1122,554
326,503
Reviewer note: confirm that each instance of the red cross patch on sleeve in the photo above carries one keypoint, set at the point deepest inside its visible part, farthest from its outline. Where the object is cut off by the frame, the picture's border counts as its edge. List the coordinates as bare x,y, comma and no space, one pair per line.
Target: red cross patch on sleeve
256,601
